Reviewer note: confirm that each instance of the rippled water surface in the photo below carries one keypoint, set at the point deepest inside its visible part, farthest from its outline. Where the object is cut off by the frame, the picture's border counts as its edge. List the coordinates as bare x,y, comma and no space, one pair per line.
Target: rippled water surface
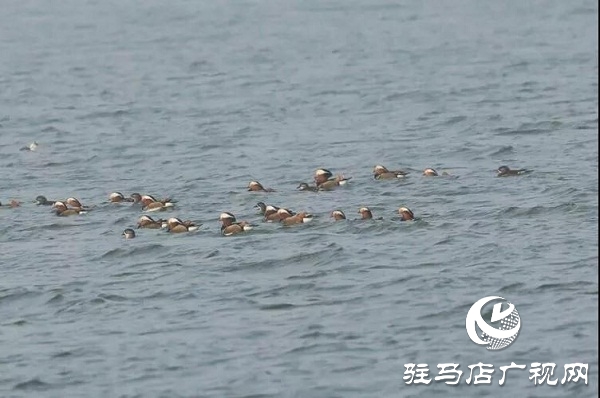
193,99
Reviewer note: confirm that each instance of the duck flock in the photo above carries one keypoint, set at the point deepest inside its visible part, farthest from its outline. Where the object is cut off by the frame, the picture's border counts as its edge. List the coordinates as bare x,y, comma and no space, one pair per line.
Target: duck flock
324,180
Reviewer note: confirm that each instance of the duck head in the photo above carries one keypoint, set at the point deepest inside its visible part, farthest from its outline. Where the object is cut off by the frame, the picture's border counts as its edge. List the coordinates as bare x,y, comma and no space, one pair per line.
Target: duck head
322,175
128,233
430,173
365,213
338,215
405,214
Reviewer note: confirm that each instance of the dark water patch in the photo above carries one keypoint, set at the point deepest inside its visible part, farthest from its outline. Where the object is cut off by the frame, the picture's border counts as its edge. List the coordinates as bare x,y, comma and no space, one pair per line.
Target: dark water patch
583,263
97,300
283,290
112,297
503,151
67,223
393,282
107,114
559,191
127,274
8,296
513,288
123,253
445,241
123,220
319,301
52,129
277,307
454,120
34,384
517,211
212,253
543,127
57,298
63,354
423,265
566,286
314,258
18,322
385,267
317,348
309,275
436,316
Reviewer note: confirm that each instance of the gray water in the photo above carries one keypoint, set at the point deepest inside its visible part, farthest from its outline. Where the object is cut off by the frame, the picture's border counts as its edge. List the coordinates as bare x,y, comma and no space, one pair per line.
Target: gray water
193,99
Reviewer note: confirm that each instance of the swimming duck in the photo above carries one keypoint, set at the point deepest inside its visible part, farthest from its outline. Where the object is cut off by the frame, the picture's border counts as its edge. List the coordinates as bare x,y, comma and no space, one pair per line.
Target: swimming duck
382,173
273,213
333,183
117,197
325,181
279,215
229,226
31,147
505,171
266,210
175,225
13,203
149,203
434,173
305,187
74,203
322,175
299,218
138,198
257,187
128,233
149,222
63,210
405,214
41,200
261,207
338,215
269,211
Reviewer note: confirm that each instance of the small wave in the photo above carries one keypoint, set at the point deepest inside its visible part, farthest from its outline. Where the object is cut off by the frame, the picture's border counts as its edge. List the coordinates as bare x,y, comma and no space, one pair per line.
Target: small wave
57,298
503,151
16,294
313,258
567,286
18,322
513,287
62,354
105,114
56,226
537,210
454,120
543,127
32,385
521,131
279,306
112,297
393,282
212,254
121,253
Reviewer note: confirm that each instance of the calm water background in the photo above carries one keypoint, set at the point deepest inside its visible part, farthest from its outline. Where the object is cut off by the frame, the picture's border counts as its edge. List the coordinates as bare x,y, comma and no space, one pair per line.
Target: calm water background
195,98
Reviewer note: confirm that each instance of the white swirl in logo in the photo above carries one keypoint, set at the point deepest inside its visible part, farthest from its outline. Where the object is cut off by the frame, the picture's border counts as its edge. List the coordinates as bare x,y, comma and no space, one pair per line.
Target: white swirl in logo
494,339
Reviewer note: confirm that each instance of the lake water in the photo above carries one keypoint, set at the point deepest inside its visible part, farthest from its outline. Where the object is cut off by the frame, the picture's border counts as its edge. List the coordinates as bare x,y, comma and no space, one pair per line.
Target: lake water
193,99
